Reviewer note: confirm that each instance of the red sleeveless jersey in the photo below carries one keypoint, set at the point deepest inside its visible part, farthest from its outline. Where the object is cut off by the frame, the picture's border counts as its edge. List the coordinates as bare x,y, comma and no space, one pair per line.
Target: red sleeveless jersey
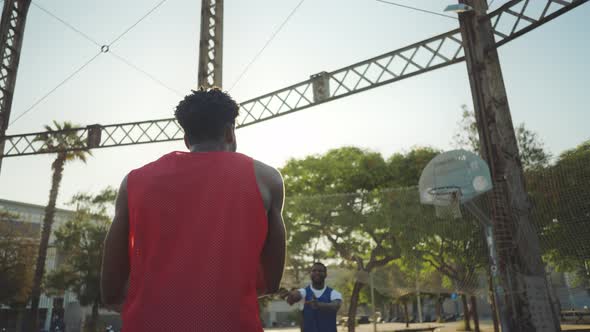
197,226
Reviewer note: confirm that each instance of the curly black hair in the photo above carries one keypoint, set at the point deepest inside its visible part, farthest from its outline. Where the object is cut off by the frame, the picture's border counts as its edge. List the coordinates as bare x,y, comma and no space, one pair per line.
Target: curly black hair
205,113
320,264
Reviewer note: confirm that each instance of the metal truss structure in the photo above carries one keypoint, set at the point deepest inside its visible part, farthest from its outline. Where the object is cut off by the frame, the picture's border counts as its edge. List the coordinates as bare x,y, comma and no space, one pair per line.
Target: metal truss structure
510,21
12,27
211,44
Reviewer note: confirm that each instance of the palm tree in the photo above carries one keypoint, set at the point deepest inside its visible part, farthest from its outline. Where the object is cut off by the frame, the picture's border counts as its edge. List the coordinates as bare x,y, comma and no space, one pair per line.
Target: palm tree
56,140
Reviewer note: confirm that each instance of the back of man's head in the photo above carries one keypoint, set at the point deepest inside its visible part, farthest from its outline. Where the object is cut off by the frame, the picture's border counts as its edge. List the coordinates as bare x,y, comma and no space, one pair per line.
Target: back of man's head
205,114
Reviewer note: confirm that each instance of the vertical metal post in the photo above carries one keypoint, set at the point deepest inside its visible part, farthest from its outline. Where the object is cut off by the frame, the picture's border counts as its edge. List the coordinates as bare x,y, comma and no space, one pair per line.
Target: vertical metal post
497,291
419,298
211,44
12,28
528,302
498,295
373,302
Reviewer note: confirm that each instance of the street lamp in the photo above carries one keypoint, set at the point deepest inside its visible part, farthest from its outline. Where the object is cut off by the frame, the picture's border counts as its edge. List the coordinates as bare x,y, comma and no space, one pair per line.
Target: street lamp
458,8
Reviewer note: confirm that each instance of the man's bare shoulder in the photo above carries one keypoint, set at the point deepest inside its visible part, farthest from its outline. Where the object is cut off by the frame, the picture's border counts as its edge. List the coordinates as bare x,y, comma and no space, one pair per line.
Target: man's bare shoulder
270,175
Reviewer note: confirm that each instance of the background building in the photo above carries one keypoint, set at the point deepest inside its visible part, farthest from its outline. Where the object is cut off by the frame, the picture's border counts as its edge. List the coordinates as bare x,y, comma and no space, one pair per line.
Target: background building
33,214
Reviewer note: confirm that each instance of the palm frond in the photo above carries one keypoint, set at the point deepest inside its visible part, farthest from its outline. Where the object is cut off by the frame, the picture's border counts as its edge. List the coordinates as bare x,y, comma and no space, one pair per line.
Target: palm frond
62,137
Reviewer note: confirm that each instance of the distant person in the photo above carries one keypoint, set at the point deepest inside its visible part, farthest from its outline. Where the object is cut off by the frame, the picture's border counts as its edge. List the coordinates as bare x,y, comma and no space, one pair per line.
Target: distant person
321,303
57,324
197,235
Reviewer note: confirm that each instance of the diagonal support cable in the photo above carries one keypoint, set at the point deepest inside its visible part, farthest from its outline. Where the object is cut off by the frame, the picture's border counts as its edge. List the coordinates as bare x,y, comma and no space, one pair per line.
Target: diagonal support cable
146,74
421,57
64,81
103,49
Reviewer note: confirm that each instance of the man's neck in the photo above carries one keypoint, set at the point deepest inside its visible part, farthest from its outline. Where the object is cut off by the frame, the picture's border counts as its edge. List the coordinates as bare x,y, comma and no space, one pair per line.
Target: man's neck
209,147
318,286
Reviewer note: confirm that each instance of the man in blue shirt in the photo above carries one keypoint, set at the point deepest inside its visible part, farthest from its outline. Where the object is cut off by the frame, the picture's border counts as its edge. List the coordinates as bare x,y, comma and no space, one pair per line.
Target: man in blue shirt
321,303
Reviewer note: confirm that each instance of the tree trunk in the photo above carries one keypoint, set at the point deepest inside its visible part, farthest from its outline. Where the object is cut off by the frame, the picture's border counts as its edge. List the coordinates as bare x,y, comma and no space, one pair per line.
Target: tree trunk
353,304
296,271
492,297
439,302
93,323
21,311
57,166
466,317
406,314
474,313
391,314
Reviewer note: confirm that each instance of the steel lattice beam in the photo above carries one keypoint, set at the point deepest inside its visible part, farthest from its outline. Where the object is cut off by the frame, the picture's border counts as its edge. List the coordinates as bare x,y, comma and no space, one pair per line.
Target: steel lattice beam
509,21
12,27
211,44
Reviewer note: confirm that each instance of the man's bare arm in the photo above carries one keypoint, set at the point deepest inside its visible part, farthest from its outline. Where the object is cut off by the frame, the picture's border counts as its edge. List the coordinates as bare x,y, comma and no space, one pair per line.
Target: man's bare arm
273,253
115,260
331,306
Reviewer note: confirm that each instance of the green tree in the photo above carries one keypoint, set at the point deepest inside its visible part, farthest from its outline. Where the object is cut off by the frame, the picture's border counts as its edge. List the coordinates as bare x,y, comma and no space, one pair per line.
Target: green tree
18,245
56,140
560,194
531,148
533,155
80,241
340,198
456,249
303,251
400,281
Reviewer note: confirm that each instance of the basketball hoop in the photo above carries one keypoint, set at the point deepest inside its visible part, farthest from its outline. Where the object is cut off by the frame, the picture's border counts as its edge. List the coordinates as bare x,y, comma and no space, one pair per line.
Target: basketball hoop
453,178
447,201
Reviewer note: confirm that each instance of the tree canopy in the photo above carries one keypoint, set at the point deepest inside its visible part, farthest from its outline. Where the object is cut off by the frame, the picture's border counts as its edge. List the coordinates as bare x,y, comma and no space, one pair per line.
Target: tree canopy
80,242
18,247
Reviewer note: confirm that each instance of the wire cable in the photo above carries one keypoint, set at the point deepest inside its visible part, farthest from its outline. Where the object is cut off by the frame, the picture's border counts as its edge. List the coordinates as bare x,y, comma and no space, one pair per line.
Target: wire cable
148,75
73,28
272,37
55,88
417,9
127,62
103,50
138,21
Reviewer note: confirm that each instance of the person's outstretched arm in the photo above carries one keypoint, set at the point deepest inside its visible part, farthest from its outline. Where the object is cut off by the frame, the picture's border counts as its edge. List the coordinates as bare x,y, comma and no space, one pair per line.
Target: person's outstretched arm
115,259
333,305
330,306
273,253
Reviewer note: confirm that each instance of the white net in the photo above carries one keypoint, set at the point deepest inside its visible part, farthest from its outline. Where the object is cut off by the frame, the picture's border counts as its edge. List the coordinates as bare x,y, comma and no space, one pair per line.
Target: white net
389,240
448,202
412,253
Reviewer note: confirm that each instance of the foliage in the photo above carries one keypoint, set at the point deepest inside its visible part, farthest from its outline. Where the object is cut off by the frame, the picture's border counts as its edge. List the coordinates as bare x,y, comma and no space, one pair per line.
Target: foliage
531,148
55,140
17,256
342,198
80,242
560,194
60,137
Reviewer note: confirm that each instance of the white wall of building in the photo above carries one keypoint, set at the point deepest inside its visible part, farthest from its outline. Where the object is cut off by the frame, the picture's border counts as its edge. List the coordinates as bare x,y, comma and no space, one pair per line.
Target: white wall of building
31,213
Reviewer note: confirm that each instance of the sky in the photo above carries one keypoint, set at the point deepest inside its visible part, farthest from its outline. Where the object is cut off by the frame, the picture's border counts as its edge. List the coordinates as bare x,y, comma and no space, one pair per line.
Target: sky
545,73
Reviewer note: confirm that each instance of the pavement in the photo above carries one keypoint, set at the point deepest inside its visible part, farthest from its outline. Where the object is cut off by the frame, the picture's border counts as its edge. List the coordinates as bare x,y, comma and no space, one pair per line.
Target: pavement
485,326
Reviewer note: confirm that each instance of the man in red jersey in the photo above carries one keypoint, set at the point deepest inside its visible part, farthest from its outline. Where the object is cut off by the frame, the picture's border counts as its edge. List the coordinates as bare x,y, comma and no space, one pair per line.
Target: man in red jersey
193,231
